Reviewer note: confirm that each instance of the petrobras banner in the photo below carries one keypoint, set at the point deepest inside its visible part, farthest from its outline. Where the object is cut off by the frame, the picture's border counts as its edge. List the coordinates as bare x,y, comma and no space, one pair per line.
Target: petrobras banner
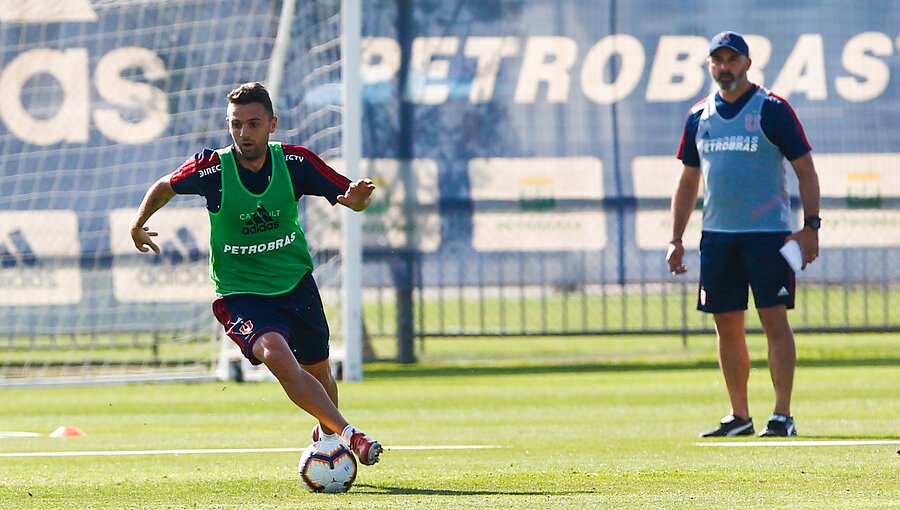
531,129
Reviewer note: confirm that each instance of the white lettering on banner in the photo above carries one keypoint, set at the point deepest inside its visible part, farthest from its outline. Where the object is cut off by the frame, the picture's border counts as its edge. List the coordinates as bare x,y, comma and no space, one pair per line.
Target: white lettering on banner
71,121
677,71
69,69
872,73
673,75
180,273
488,52
547,60
379,59
40,254
804,70
138,113
595,86
424,69
130,95
41,11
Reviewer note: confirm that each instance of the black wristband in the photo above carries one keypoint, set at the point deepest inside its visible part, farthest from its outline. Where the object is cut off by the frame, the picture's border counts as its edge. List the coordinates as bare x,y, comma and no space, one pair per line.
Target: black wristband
813,222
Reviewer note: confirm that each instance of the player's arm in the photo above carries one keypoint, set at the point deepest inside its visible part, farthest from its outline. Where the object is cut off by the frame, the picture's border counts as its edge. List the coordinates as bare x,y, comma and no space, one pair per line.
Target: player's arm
358,195
807,238
156,197
686,191
683,201
781,125
312,176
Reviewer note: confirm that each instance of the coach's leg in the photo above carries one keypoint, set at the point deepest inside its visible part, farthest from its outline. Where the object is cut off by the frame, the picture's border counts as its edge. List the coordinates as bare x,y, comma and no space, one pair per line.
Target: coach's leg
302,387
734,359
782,354
322,372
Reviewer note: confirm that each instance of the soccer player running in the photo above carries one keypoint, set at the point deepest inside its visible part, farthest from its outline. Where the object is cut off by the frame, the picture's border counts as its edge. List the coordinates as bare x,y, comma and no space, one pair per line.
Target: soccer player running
260,263
736,141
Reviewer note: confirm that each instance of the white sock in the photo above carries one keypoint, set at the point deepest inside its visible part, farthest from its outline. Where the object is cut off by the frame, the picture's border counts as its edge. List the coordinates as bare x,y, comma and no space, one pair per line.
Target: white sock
348,432
331,437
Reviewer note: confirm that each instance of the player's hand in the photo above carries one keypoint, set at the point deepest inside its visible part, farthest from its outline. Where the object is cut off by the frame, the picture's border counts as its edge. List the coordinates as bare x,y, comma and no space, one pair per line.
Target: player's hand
358,195
141,237
674,257
808,239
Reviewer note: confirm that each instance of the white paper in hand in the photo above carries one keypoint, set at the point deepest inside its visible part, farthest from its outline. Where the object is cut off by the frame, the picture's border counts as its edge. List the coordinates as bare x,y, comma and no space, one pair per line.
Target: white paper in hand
791,252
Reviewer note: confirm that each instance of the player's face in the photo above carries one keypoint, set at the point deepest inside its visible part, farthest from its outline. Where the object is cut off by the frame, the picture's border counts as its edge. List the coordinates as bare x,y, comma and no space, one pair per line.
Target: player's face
728,68
250,126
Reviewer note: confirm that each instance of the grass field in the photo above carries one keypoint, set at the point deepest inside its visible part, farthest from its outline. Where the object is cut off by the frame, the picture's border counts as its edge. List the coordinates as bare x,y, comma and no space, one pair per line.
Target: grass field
580,423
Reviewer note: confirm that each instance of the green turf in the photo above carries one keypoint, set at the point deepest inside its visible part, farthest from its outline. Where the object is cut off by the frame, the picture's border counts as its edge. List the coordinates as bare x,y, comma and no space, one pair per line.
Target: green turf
589,423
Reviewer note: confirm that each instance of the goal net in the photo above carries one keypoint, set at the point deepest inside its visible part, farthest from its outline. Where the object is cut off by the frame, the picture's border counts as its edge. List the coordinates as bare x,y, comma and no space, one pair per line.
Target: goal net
101,98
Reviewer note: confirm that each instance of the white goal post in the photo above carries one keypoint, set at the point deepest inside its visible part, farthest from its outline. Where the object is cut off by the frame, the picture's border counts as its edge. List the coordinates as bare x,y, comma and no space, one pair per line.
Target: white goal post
347,342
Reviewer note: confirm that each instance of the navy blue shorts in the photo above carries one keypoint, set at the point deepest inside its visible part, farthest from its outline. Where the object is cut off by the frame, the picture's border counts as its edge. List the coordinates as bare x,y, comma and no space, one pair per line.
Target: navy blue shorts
730,262
297,315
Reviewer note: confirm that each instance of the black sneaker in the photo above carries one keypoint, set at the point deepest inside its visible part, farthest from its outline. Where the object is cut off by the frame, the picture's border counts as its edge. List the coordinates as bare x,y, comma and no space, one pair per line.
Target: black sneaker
731,426
779,426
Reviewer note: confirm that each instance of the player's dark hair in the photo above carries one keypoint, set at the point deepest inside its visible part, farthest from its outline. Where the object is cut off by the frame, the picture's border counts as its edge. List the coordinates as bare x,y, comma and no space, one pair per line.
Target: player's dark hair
252,92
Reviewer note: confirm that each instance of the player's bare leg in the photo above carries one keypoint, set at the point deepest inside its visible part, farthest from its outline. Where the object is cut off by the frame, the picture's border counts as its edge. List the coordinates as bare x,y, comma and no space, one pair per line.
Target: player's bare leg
734,359
301,387
310,395
322,372
782,355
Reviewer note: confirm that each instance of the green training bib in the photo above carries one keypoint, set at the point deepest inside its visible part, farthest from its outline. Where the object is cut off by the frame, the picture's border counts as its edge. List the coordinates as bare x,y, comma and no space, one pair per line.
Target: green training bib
256,244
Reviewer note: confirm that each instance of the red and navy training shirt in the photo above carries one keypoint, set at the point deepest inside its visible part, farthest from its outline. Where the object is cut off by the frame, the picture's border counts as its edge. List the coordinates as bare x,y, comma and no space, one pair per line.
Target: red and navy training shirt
778,122
202,175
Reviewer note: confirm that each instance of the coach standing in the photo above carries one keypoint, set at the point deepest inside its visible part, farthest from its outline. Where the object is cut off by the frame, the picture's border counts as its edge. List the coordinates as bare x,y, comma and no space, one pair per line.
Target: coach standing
736,140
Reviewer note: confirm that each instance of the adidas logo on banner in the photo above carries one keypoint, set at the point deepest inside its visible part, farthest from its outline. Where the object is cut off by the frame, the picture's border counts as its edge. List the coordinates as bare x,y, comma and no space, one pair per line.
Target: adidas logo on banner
172,254
19,253
40,256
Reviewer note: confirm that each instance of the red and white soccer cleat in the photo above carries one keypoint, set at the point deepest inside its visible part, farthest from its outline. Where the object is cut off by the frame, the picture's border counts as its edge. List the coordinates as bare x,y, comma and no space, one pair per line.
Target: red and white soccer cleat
367,450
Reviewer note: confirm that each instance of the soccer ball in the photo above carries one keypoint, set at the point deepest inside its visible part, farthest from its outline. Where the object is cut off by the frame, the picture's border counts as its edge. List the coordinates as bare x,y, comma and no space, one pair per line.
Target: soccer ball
327,466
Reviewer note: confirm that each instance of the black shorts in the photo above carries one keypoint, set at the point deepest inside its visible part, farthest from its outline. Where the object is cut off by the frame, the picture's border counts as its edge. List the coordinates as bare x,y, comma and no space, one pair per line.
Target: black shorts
730,262
297,315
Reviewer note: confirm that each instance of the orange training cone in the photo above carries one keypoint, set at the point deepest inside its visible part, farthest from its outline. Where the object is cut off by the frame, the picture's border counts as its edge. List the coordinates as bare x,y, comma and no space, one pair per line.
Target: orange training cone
66,431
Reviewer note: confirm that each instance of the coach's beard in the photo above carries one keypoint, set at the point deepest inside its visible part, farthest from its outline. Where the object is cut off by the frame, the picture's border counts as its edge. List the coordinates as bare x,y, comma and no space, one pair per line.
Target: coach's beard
733,83
727,86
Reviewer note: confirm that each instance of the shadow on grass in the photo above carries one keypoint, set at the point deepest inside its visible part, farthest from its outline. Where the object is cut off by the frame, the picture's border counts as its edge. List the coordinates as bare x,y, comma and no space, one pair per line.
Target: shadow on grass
507,368
415,491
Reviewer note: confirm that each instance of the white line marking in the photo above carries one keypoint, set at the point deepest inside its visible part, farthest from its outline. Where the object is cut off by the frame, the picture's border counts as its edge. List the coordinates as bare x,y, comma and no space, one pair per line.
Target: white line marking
19,434
122,453
763,444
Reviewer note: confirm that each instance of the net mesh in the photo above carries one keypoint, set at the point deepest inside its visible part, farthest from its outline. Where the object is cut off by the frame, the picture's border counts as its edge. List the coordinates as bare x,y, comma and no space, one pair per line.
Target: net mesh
101,99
